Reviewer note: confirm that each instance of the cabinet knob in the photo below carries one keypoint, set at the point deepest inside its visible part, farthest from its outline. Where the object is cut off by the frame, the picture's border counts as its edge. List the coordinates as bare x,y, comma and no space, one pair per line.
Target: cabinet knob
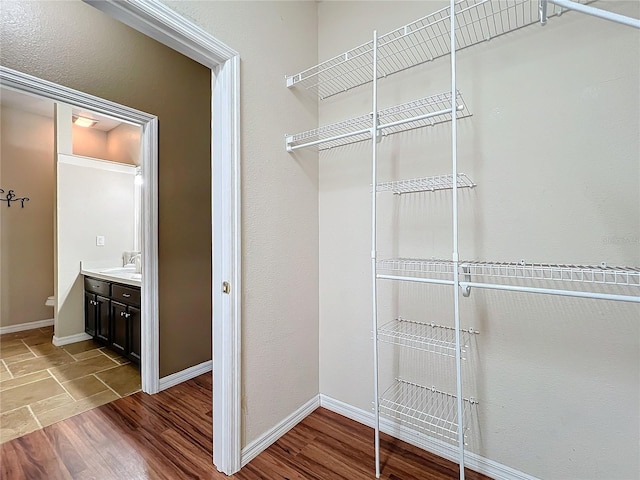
126,295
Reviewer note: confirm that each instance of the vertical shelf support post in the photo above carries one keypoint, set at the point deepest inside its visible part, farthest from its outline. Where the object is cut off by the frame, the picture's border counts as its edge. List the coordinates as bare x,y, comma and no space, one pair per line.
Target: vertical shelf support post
374,182
456,272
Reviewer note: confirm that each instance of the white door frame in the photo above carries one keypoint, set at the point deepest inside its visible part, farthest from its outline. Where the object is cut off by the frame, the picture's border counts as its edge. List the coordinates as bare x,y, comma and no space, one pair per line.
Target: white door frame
161,23
150,367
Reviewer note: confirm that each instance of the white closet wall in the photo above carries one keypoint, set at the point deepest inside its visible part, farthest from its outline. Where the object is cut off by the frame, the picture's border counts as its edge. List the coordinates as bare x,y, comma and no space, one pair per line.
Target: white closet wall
553,146
279,207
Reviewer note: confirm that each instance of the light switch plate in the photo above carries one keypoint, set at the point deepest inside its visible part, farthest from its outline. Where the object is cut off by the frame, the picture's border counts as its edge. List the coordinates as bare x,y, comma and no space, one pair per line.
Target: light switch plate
100,241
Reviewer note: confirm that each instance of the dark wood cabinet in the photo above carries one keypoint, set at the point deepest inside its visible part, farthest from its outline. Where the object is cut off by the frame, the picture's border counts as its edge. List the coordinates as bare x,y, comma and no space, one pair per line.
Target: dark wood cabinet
103,325
135,334
96,317
119,324
90,314
112,316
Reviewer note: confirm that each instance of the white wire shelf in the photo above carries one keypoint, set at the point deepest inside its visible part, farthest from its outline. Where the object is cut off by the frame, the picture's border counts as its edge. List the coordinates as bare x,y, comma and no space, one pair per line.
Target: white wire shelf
424,112
425,184
421,41
427,337
603,274
426,410
516,276
416,266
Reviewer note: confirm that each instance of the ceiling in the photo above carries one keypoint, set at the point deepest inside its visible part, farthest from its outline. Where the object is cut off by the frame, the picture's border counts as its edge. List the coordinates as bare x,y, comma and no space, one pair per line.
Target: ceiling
42,106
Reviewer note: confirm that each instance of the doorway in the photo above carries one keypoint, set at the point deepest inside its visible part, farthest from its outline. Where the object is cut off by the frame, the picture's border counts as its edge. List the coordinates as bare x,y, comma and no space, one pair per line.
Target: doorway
161,23
72,373
164,25
38,88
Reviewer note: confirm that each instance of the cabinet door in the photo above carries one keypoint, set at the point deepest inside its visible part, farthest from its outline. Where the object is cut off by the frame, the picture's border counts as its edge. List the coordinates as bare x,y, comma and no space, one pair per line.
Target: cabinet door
119,323
90,317
134,334
103,324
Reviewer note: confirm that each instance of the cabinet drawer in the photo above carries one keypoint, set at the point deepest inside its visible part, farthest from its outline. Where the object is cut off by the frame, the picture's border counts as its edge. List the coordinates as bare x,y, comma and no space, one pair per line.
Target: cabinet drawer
97,286
128,295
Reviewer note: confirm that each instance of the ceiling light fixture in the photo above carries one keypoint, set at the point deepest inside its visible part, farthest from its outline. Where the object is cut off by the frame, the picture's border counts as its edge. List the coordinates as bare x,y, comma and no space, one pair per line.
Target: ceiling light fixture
84,122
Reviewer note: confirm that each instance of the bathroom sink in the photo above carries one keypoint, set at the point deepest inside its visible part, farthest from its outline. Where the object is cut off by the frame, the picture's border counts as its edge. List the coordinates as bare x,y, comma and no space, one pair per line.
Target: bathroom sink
120,271
126,275
128,272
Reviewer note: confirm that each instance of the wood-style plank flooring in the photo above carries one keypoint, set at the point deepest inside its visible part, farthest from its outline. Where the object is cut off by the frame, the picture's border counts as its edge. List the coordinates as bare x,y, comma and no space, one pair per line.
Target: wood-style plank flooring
169,436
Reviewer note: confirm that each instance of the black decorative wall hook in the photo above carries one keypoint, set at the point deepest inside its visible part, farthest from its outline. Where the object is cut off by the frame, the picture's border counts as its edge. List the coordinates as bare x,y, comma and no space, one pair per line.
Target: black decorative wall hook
11,197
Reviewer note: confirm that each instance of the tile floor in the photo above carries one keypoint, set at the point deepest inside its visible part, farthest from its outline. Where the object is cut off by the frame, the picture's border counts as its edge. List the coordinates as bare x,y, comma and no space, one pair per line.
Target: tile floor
41,384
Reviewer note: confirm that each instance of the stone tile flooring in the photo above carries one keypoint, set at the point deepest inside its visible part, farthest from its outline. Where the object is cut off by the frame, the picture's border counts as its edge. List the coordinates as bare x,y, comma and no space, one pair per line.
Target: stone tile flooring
41,384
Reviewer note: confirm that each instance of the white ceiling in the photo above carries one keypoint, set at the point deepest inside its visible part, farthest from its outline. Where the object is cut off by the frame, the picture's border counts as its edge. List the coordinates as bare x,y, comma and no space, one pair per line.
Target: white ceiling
42,106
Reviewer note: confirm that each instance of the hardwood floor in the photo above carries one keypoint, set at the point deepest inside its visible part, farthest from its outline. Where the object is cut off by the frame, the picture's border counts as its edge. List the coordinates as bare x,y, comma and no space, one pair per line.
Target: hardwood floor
168,436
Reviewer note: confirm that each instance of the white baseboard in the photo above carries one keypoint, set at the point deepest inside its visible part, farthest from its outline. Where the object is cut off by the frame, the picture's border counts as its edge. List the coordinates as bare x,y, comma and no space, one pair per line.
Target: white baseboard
26,326
78,337
473,461
263,442
184,375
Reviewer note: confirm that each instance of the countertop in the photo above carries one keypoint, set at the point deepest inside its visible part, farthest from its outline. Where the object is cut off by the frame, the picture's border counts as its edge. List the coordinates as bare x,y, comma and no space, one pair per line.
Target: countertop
124,275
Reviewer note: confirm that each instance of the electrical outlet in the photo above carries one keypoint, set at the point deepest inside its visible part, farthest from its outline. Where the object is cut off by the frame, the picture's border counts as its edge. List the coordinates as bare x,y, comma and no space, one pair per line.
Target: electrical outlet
100,241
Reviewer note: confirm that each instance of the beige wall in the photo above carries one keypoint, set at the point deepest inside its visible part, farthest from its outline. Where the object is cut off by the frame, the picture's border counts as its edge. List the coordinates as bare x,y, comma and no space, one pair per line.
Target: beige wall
89,142
109,189
124,144
75,45
120,144
279,204
553,146
26,244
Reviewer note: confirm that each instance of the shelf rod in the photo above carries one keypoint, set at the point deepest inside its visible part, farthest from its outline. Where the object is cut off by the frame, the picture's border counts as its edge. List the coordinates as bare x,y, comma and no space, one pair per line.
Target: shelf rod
417,118
597,12
415,279
551,291
330,139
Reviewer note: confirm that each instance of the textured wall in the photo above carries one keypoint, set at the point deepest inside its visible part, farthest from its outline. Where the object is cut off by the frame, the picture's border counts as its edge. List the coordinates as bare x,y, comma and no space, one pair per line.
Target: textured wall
110,193
26,145
279,204
553,146
120,144
73,44
123,144
89,142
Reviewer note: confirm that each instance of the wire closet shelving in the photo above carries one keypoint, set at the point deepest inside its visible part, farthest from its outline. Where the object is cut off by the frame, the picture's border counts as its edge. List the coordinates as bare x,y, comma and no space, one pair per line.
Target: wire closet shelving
516,276
418,42
426,337
428,410
420,113
425,184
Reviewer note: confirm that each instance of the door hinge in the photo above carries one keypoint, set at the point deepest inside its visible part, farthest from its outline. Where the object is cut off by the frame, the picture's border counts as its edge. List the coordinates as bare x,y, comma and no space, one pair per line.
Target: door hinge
226,287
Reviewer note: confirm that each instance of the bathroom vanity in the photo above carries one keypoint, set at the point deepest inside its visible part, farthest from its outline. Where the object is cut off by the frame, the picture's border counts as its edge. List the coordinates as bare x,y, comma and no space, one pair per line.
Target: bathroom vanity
112,315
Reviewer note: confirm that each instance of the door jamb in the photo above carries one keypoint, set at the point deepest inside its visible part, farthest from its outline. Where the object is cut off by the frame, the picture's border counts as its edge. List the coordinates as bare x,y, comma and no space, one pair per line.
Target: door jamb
163,24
